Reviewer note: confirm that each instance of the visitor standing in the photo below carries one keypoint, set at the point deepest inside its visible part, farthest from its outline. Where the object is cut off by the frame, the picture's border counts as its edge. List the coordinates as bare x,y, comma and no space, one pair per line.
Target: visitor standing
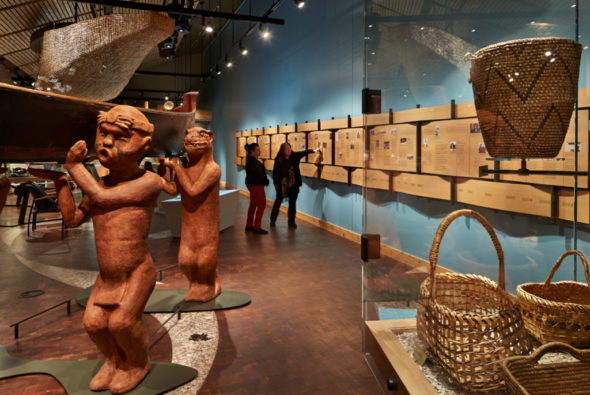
287,180
256,180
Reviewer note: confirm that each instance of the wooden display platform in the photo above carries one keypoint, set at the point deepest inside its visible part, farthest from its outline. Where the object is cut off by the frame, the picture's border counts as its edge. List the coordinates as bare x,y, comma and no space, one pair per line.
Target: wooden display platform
392,359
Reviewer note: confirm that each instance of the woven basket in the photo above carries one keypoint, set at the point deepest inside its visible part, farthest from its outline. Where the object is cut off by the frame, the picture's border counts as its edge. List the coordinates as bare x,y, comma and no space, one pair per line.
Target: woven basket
525,377
470,323
558,312
524,93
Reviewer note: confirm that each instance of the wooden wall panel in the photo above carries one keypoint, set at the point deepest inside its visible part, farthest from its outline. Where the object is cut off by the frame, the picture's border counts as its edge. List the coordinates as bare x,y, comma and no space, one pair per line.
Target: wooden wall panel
320,139
520,198
566,205
257,132
246,133
269,164
334,124
334,173
348,149
454,148
422,114
287,129
422,185
241,142
297,141
275,143
308,126
264,142
271,130
309,170
465,110
393,147
238,134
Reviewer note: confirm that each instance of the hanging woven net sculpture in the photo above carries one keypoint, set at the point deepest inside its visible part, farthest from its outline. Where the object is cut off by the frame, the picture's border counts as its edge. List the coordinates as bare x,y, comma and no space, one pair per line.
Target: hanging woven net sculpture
95,59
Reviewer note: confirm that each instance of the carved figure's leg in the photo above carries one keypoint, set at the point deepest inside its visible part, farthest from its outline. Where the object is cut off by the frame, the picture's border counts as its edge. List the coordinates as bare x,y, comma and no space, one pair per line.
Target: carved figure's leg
96,321
199,265
127,327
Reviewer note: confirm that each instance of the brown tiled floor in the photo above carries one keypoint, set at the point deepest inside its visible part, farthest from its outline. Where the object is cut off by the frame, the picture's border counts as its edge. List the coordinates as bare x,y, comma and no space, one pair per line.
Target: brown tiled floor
300,335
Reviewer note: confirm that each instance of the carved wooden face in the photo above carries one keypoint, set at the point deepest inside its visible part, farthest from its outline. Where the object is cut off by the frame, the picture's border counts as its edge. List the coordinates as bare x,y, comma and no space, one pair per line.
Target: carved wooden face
198,140
118,148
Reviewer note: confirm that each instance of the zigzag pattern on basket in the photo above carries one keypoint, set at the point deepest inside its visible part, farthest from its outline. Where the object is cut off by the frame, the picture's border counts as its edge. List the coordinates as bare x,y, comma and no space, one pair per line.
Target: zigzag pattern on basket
518,86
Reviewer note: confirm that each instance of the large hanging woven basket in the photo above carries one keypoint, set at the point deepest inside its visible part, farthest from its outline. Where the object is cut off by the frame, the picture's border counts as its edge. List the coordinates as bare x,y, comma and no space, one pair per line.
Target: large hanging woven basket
525,376
470,323
524,93
558,312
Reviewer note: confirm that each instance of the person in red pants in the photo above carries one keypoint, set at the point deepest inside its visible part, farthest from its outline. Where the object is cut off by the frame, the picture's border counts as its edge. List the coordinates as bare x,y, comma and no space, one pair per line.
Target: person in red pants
256,180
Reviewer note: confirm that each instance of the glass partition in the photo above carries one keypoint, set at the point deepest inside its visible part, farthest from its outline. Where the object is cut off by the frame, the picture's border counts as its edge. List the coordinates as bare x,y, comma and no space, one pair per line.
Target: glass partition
426,146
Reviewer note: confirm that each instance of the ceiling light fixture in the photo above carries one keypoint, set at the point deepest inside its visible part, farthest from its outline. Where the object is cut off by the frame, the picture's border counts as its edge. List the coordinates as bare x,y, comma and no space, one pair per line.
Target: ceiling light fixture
228,62
208,27
299,3
166,97
243,49
217,69
264,31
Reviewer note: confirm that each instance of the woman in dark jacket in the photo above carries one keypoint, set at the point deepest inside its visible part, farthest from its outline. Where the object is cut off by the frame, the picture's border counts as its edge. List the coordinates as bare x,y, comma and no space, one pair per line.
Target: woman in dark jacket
255,181
287,180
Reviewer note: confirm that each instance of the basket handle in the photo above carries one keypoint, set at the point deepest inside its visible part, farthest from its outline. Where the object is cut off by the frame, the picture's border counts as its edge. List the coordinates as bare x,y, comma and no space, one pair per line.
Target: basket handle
561,258
440,232
583,356
472,57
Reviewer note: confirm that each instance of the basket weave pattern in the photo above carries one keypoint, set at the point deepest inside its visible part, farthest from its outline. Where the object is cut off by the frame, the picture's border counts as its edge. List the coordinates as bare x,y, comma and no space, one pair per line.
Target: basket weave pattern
558,312
524,376
524,93
96,58
469,322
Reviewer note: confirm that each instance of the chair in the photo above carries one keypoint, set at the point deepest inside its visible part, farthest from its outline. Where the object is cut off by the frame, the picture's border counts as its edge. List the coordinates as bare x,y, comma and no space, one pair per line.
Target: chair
42,203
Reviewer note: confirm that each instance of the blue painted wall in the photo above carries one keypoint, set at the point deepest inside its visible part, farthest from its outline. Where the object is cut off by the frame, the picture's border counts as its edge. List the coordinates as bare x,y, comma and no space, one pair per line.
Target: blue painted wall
312,68
309,69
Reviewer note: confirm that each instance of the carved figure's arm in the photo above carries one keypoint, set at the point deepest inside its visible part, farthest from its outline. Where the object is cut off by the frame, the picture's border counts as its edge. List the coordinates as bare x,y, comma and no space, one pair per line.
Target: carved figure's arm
207,180
171,188
135,192
72,216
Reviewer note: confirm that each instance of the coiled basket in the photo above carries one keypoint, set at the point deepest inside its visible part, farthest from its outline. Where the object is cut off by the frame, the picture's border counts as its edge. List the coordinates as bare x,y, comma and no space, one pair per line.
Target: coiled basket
524,93
470,323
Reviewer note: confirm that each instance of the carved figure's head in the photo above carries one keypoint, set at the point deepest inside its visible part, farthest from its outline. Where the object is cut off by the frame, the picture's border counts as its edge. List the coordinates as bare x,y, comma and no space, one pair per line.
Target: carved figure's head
198,141
123,136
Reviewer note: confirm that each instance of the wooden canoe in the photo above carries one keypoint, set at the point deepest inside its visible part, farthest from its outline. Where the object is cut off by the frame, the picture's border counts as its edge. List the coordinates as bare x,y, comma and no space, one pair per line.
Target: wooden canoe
41,126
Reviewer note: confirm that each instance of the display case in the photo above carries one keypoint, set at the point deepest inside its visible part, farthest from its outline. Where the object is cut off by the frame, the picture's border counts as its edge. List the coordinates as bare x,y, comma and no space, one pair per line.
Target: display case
437,109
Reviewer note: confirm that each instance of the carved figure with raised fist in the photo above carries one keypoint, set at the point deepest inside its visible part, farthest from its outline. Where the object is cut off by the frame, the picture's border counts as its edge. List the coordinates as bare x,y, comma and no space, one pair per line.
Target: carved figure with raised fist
198,184
121,207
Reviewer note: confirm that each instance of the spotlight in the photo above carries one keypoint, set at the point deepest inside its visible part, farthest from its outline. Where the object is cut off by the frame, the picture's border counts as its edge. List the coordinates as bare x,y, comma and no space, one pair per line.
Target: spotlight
15,82
243,49
183,24
211,77
166,48
217,70
299,3
208,27
264,31
119,101
228,62
166,97
135,103
202,81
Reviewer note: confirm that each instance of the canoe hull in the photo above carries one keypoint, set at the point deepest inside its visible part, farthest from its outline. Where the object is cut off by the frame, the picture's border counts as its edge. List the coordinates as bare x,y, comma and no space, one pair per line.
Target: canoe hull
41,127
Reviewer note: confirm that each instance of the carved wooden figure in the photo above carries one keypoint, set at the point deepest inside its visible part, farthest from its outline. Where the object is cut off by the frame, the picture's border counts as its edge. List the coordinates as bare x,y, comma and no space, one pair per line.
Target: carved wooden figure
4,188
198,184
121,207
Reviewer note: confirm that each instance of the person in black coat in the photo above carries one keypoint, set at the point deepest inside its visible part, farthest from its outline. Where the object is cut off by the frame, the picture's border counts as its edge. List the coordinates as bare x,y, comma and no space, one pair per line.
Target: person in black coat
256,180
287,180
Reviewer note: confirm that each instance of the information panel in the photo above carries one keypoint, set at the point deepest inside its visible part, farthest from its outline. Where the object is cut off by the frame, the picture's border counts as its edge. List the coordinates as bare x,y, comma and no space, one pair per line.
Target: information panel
323,140
276,140
349,147
297,141
240,150
453,148
393,147
264,142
